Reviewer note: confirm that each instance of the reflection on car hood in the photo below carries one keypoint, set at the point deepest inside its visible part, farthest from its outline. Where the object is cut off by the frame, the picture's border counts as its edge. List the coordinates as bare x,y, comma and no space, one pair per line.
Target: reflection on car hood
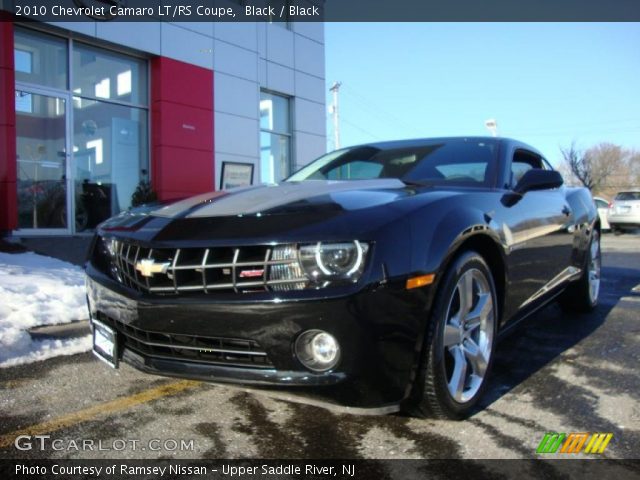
287,197
291,211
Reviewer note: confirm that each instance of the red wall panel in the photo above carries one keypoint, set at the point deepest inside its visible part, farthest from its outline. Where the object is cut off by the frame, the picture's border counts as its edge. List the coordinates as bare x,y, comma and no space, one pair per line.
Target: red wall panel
182,144
7,94
181,170
8,195
8,152
183,126
181,83
8,206
6,40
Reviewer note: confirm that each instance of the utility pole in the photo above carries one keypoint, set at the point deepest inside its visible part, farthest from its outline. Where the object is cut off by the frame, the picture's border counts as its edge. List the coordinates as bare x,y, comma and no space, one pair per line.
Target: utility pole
334,110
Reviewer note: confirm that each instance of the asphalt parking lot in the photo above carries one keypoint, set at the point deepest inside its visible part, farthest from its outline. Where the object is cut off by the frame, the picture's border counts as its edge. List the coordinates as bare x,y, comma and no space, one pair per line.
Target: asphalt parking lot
558,373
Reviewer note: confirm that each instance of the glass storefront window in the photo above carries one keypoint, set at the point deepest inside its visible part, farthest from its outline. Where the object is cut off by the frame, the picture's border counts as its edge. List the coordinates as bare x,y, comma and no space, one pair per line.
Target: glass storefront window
41,162
74,179
274,157
274,112
110,153
40,59
108,75
275,137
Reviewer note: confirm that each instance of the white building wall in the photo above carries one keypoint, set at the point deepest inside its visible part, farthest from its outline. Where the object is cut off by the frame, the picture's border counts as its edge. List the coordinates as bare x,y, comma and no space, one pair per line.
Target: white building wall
245,57
272,57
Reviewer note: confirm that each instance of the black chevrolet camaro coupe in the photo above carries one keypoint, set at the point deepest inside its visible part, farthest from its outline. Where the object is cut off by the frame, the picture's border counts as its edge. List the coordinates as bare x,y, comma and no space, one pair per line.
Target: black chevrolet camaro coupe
379,276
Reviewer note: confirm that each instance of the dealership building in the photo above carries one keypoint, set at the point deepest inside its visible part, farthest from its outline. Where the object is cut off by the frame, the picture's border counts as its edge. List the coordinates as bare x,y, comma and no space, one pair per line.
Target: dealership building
90,111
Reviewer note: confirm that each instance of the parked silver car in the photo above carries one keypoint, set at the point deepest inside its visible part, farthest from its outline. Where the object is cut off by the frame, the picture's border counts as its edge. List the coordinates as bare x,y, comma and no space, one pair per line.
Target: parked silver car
624,213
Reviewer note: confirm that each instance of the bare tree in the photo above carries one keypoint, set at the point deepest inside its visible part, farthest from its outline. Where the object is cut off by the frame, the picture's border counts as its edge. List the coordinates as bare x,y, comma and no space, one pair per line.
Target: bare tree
604,168
633,163
569,178
594,166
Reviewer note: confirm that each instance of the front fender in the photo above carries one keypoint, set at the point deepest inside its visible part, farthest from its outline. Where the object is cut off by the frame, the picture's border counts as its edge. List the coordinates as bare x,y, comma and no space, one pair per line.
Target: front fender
443,238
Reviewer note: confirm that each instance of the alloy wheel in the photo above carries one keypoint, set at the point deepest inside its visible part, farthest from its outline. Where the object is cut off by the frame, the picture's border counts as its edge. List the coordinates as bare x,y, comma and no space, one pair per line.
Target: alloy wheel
468,335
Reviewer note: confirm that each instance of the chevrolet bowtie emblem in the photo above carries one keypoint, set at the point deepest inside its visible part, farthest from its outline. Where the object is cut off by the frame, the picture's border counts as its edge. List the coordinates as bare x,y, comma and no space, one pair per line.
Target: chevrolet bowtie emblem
148,267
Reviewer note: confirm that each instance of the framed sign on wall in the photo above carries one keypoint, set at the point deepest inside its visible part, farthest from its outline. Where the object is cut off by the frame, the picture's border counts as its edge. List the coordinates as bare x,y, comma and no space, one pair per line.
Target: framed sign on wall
235,174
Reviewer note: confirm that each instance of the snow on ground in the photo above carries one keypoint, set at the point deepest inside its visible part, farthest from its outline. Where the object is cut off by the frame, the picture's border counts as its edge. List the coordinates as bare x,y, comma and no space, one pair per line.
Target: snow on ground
37,290
26,350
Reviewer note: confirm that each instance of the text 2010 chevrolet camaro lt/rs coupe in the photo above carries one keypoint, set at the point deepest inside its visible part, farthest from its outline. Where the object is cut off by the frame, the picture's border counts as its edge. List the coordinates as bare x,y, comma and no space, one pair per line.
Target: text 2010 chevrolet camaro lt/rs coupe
380,275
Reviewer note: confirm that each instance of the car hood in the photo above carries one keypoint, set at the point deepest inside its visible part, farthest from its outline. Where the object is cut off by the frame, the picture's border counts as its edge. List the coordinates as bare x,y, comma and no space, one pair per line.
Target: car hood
265,213
287,197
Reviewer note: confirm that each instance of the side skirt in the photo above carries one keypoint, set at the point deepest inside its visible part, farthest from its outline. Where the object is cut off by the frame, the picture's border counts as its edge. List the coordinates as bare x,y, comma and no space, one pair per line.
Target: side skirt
513,325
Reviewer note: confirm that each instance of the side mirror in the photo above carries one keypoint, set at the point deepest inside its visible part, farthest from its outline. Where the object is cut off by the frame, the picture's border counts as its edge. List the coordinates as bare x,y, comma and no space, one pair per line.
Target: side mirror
538,179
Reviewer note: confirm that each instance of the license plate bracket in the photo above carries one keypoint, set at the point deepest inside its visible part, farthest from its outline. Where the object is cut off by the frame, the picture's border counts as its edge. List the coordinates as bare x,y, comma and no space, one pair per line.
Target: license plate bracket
105,343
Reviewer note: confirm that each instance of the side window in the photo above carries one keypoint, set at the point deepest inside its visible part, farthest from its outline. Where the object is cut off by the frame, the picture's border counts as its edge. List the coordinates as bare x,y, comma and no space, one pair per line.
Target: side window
518,169
546,165
601,204
521,163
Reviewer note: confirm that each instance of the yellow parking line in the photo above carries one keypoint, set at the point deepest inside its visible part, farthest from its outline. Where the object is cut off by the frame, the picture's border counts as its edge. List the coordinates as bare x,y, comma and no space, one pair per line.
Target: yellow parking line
16,383
99,410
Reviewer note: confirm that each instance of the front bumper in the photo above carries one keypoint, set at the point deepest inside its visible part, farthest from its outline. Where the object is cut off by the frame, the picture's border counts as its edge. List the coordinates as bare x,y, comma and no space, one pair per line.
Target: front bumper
379,329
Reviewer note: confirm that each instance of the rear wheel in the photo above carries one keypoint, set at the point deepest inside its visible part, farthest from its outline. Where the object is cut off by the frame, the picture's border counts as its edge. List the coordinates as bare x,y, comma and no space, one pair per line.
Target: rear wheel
461,339
583,295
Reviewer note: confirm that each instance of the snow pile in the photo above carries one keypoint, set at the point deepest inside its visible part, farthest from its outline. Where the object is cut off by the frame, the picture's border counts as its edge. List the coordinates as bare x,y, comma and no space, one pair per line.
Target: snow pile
37,290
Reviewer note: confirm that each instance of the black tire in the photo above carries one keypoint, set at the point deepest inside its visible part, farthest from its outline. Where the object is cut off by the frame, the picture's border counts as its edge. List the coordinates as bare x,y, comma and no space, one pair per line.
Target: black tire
579,296
616,231
432,395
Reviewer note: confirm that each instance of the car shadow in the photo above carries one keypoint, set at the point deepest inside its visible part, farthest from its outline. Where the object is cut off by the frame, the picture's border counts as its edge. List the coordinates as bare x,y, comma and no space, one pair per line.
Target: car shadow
549,333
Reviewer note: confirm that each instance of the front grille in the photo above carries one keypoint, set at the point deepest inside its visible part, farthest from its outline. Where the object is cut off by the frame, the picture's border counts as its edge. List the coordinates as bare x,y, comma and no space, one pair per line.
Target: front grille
204,270
211,350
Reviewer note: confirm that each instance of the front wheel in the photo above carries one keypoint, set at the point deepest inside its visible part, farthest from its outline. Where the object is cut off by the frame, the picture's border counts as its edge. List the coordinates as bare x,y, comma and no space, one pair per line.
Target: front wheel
460,340
582,296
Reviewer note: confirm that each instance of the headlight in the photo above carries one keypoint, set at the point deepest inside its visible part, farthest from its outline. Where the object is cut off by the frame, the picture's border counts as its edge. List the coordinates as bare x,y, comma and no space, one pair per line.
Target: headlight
323,262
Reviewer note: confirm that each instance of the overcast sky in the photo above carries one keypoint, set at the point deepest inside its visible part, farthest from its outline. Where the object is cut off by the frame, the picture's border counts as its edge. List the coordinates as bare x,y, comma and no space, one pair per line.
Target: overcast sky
545,84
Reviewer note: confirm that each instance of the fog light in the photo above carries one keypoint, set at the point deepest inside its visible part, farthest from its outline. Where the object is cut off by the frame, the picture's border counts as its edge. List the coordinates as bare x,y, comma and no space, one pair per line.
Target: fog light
317,350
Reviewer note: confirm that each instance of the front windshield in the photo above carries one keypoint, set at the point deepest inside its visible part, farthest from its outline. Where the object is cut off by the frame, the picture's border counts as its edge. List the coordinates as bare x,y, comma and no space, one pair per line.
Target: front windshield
467,162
